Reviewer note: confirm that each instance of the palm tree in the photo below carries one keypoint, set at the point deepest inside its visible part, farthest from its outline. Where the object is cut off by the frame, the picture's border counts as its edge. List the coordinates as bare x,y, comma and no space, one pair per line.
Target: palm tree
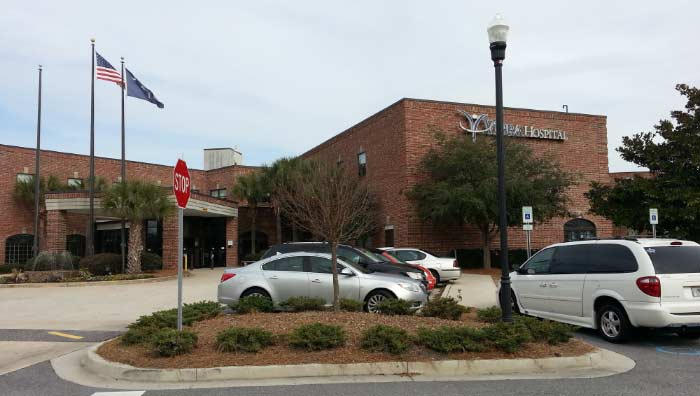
280,175
136,201
252,188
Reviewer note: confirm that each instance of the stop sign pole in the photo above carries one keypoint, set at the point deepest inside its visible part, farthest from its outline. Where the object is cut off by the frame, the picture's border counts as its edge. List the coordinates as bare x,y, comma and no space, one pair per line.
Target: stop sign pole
181,188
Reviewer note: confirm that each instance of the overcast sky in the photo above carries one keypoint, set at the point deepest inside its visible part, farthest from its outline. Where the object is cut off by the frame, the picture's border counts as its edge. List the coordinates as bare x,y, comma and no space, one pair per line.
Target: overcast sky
275,78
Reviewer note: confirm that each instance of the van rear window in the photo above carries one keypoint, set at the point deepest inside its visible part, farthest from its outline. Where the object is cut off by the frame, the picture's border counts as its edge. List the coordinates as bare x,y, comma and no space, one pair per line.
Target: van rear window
675,259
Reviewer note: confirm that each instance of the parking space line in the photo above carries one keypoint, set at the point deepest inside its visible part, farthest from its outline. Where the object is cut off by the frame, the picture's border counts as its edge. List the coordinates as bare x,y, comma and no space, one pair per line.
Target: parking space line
65,335
122,393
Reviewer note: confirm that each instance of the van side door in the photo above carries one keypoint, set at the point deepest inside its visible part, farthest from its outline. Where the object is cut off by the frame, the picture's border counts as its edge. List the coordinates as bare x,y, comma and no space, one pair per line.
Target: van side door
530,283
567,277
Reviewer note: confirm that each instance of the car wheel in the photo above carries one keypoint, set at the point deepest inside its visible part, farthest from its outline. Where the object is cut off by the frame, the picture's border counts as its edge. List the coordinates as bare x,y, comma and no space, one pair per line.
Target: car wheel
689,335
256,291
436,275
613,324
375,298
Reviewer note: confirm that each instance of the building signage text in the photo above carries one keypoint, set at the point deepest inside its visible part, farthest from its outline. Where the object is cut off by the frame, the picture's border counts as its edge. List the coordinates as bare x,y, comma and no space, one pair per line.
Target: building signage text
482,124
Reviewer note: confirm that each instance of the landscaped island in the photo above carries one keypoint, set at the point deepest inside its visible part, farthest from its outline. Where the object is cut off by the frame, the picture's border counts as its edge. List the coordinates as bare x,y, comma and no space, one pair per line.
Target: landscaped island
304,334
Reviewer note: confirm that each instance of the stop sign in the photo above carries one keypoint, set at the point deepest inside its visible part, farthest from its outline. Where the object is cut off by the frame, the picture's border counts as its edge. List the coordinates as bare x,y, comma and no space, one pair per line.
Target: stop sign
181,183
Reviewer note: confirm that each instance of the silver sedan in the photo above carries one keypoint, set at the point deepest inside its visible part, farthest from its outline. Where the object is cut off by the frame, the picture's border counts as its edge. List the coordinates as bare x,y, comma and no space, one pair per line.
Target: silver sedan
309,274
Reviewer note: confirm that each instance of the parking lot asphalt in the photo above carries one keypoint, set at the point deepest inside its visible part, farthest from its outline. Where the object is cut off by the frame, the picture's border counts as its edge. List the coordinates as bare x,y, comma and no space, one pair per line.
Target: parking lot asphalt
100,307
666,365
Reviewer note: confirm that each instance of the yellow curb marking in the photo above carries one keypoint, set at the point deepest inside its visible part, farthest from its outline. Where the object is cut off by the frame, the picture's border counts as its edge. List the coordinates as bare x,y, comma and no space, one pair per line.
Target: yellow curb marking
71,336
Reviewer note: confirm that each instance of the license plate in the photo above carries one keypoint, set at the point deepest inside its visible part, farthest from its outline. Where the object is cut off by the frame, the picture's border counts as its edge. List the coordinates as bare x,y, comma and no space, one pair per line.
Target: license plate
696,291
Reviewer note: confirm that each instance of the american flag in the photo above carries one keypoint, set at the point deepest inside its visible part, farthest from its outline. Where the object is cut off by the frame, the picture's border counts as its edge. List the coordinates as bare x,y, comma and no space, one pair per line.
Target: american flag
105,71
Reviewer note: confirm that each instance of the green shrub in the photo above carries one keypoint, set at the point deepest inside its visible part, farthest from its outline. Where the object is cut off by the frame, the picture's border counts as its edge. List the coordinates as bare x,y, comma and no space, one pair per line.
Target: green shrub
301,304
489,315
252,304
547,330
381,338
507,337
448,339
236,339
349,305
393,306
151,262
201,310
138,335
102,264
191,313
444,308
170,342
50,261
317,336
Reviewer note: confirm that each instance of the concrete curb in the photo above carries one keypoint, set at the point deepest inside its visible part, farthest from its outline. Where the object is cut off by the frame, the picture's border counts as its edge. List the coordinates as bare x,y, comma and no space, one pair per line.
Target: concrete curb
95,283
598,363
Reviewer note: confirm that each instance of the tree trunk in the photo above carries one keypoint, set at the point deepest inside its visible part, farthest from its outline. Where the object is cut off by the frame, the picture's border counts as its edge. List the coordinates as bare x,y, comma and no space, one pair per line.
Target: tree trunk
253,215
278,224
485,242
133,265
294,233
334,269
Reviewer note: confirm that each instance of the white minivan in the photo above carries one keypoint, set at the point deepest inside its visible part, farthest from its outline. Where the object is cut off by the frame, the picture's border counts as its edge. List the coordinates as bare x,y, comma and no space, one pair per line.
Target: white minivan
614,285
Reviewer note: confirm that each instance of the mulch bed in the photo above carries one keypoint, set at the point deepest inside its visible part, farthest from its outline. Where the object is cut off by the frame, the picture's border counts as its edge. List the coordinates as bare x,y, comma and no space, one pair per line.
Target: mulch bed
206,355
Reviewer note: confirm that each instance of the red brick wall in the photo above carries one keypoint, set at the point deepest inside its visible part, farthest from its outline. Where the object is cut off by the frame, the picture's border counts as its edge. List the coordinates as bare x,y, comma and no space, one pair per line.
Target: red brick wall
56,231
18,218
397,138
170,241
232,235
382,138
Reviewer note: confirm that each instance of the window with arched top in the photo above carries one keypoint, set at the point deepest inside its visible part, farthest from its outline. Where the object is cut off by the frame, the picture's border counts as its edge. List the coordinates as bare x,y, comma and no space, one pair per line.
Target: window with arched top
579,229
18,248
75,244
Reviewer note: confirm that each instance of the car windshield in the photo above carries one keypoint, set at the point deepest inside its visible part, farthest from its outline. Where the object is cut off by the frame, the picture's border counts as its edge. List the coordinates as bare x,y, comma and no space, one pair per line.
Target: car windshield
675,259
374,257
357,267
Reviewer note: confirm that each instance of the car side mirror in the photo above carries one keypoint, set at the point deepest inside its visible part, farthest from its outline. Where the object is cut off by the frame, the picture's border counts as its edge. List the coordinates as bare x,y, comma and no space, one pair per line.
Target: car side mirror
347,272
522,271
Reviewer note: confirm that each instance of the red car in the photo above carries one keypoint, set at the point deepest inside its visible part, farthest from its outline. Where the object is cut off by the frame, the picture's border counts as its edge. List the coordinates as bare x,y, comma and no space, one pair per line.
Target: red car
428,275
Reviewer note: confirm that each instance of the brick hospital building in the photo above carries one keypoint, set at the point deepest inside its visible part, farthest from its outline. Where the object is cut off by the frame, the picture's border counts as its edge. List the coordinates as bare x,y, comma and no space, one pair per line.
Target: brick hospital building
385,149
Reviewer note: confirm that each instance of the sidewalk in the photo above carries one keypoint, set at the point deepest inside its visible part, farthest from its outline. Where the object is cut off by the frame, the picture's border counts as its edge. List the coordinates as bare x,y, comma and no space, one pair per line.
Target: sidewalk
477,291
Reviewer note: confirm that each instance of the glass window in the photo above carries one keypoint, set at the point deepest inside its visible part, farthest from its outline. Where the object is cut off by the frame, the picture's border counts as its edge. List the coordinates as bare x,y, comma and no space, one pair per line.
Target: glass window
75,183
571,259
25,177
295,264
578,230
322,265
675,259
539,263
75,244
350,255
218,193
408,255
608,258
18,248
362,163
389,237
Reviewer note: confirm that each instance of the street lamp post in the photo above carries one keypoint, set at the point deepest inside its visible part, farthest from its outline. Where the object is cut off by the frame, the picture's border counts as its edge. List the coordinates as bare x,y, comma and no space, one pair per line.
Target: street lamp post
498,33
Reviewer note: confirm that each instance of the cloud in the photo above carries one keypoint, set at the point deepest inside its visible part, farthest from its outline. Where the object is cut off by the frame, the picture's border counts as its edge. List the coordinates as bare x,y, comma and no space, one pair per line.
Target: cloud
276,78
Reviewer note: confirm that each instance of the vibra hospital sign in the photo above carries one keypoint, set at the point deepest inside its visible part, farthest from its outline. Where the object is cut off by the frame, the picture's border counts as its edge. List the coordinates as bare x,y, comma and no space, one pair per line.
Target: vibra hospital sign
480,123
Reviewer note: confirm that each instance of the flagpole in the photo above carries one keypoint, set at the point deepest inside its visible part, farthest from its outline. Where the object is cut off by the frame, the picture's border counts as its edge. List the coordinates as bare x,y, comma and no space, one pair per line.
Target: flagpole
90,240
123,232
37,188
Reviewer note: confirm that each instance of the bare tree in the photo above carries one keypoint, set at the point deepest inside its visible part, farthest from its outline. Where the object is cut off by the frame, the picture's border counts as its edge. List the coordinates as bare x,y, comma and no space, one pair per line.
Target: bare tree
324,200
